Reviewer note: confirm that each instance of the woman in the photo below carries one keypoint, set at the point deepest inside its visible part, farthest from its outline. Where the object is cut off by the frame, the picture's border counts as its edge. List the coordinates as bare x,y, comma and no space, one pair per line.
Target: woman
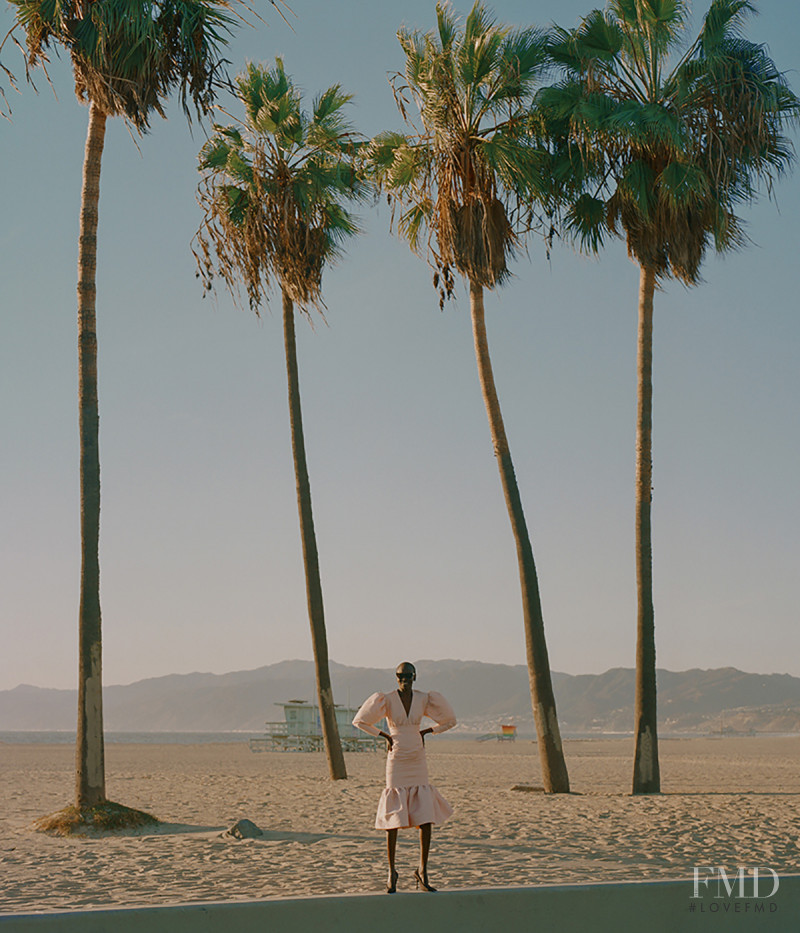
408,800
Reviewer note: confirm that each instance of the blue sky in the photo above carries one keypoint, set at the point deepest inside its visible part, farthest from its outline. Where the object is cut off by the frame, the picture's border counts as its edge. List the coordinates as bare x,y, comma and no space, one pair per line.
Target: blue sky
200,554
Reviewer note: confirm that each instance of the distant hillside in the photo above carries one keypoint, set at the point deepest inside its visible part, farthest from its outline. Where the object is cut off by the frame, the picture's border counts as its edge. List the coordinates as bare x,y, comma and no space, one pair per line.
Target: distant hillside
482,694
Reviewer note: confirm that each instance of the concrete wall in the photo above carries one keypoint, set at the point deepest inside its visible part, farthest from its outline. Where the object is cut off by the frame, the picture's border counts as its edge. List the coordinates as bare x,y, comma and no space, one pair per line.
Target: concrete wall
652,907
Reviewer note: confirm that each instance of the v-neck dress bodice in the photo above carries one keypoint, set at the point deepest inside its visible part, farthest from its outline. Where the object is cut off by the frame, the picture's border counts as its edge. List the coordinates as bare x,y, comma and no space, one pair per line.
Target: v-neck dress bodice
409,798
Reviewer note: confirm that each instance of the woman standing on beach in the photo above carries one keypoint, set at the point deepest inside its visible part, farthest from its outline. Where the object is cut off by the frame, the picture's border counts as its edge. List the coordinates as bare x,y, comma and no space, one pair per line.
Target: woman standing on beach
408,799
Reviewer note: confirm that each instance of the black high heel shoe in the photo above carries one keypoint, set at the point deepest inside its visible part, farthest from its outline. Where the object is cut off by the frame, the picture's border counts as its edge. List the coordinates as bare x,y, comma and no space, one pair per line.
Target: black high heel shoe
422,882
391,887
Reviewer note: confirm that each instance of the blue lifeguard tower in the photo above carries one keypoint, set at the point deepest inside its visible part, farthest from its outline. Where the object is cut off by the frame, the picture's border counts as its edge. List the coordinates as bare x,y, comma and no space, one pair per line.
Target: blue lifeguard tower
301,731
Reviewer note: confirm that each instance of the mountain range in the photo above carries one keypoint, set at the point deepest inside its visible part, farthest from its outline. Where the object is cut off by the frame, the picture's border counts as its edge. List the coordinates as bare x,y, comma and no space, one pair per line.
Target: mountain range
484,695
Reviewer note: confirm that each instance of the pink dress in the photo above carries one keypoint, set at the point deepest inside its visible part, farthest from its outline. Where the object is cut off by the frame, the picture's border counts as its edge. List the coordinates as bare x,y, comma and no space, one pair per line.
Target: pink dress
409,799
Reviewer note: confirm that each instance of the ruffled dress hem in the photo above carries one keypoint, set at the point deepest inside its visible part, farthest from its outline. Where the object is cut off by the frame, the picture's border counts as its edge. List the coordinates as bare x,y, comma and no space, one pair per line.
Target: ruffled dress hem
402,807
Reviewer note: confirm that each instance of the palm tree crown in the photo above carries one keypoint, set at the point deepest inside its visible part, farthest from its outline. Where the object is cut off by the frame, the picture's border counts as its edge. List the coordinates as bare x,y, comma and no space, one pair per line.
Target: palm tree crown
677,144
275,188
128,56
463,176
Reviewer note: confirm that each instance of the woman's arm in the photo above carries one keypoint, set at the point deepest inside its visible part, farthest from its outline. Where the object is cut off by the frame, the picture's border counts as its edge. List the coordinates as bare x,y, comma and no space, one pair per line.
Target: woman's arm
441,712
372,710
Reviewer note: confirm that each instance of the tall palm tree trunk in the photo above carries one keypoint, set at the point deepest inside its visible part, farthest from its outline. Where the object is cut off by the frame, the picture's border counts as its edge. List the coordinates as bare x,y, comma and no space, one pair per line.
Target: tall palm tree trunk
551,754
316,614
646,775
89,752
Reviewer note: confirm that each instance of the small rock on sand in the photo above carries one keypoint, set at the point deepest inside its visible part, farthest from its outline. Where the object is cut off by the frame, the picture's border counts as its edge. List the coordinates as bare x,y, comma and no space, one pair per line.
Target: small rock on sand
243,829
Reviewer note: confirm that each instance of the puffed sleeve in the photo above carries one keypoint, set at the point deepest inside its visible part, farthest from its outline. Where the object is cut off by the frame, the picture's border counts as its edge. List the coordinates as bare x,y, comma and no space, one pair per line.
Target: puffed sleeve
440,711
372,710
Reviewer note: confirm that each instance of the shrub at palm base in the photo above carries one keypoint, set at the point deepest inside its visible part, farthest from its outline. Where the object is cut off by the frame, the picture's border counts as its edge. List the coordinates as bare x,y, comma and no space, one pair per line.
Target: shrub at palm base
103,817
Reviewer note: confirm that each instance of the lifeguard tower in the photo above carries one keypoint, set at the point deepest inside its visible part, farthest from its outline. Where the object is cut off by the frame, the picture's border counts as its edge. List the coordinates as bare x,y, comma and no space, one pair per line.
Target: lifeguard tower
301,731
506,734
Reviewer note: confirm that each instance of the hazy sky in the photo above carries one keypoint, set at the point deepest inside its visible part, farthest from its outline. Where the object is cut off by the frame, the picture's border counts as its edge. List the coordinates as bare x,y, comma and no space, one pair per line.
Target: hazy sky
200,552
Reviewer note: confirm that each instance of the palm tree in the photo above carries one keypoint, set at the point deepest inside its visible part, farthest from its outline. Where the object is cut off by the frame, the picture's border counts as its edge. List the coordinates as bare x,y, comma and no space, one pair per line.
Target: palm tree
678,141
273,195
464,178
127,58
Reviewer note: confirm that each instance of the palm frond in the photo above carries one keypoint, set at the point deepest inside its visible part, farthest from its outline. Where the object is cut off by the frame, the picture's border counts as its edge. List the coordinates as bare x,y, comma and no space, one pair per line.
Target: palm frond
636,186
215,152
398,163
649,127
328,105
598,39
447,25
479,50
521,63
413,222
586,219
724,20
683,185
523,168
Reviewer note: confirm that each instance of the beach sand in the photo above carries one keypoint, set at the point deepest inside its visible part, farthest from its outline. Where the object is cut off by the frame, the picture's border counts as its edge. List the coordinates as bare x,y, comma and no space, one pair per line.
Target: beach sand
726,801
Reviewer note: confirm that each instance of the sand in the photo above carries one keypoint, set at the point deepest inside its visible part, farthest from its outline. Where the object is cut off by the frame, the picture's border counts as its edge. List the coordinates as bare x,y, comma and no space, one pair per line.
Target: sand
727,801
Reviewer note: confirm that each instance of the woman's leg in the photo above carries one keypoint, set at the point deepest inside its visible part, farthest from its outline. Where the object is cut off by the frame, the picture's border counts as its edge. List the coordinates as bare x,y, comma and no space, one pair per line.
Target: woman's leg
391,848
424,849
